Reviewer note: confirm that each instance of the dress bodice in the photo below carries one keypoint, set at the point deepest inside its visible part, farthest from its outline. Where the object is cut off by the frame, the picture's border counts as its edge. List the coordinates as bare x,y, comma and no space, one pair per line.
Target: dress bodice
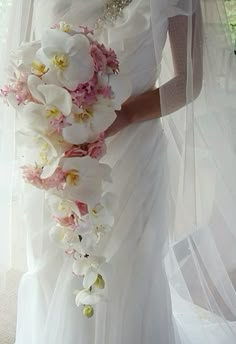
131,36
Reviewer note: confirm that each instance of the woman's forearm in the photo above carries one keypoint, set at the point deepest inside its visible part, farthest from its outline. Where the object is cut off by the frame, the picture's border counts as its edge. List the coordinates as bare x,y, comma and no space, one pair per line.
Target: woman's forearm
148,105
172,96
143,107
177,92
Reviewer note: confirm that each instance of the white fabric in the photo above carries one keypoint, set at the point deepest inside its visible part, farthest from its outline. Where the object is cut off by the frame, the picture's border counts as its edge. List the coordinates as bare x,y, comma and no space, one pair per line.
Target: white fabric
12,241
201,261
6,150
136,247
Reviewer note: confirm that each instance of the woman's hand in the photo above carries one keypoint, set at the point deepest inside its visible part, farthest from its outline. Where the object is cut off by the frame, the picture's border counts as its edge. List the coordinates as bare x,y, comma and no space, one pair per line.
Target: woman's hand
143,107
122,121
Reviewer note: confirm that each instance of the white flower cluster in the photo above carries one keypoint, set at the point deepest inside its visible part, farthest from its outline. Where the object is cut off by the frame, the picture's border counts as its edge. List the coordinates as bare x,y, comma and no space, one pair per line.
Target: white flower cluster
67,89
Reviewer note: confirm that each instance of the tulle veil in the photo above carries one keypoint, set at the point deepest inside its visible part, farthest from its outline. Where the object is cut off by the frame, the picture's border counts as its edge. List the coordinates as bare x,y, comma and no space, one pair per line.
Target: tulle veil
201,257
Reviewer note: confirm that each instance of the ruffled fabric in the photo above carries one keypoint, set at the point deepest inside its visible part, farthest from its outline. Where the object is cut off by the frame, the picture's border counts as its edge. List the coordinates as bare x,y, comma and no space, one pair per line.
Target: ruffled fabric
135,18
138,289
131,33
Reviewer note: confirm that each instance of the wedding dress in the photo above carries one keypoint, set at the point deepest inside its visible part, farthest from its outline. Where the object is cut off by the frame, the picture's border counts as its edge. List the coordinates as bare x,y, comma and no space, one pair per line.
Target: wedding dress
138,307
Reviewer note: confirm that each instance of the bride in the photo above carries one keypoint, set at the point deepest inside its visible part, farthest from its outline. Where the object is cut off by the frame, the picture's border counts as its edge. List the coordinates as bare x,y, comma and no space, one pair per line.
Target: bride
160,291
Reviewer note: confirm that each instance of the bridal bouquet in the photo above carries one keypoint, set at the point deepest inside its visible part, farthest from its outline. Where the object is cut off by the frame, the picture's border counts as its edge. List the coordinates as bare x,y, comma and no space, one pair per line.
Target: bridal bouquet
66,88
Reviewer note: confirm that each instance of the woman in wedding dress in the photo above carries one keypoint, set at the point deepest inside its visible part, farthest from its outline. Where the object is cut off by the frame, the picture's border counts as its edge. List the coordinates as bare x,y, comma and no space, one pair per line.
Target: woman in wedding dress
138,307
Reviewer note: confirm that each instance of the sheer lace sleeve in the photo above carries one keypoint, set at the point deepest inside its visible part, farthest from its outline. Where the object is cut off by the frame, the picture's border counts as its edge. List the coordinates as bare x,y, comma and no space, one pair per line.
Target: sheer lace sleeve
185,37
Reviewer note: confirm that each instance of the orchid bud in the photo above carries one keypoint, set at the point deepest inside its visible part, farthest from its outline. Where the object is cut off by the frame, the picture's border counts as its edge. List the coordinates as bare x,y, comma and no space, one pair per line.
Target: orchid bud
99,283
88,311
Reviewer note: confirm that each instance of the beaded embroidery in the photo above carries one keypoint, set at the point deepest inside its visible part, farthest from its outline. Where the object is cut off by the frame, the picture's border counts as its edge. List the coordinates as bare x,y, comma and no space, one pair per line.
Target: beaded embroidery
112,10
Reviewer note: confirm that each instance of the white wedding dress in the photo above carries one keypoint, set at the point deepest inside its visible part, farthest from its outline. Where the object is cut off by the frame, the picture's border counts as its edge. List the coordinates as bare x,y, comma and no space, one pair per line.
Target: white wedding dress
138,309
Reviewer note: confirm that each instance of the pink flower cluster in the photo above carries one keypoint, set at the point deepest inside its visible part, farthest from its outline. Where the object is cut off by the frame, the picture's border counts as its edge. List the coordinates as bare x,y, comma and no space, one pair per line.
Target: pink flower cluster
19,89
86,94
106,56
32,175
58,124
105,61
95,150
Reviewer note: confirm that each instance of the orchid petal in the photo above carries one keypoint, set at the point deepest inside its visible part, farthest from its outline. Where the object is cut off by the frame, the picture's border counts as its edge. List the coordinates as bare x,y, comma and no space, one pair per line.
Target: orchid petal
58,97
75,134
33,116
103,118
33,83
122,89
53,41
81,266
84,297
49,169
90,278
77,45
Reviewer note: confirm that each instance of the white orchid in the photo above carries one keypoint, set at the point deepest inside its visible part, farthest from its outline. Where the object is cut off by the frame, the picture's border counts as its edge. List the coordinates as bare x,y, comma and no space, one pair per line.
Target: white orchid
64,237
91,268
84,179
86,125
98,222
121,88
53,102
24,56
68,55
51,152
26,52
93,236
88,297
101,213
62,207
41,150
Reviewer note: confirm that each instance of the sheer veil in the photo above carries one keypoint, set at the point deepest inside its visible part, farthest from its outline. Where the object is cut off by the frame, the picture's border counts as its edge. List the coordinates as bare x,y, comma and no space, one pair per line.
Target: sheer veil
201,259
17,28
200,130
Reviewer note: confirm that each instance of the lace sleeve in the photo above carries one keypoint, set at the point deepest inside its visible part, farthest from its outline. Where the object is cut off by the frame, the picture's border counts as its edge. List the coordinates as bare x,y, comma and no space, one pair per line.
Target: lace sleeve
182,30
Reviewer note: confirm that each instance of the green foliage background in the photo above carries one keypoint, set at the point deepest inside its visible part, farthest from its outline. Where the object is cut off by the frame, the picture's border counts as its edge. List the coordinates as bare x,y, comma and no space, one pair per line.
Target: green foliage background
230,7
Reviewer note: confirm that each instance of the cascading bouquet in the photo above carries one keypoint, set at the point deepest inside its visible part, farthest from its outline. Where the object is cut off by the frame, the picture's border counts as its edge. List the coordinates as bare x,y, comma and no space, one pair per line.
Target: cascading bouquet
66,88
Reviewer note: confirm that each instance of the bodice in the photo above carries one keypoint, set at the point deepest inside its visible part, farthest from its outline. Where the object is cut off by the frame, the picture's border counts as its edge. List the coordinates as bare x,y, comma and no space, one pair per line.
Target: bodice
131,36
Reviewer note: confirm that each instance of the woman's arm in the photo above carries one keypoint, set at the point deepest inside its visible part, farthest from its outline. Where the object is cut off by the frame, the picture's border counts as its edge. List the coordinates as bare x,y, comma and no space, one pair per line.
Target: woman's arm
148,105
